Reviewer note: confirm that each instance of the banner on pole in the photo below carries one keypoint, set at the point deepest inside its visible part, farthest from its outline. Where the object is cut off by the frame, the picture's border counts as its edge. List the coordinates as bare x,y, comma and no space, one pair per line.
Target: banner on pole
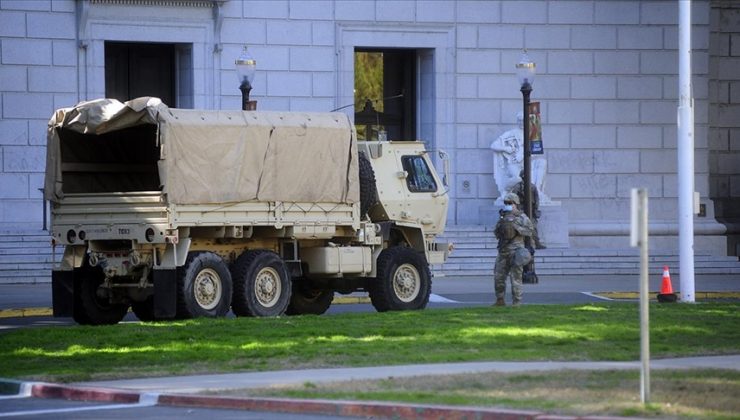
535,129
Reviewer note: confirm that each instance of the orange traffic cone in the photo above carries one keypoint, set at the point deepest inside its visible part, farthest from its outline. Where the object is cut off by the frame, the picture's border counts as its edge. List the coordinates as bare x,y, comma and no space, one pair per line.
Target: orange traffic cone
666,294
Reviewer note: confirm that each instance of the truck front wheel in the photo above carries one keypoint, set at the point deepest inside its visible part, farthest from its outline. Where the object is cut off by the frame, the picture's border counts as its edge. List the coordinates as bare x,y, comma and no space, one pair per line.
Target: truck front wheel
404,281
96,309
203,286
261,284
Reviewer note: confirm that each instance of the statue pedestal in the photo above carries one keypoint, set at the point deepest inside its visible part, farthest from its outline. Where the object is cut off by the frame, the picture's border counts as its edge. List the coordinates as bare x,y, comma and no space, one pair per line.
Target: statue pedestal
553,225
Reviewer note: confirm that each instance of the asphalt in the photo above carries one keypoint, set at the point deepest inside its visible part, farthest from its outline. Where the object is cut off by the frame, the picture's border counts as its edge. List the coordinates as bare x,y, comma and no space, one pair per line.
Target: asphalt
202,390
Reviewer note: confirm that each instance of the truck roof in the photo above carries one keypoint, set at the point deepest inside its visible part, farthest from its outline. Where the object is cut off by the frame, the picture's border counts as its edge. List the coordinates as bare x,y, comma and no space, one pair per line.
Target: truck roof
215,156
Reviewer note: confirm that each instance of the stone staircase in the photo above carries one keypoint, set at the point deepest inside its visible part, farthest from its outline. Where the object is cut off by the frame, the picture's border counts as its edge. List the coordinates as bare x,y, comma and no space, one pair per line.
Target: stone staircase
26,257
475,255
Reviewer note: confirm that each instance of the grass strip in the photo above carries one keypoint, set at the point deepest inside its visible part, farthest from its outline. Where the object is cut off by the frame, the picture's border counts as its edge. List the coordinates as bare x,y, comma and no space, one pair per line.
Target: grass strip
699,394
603,331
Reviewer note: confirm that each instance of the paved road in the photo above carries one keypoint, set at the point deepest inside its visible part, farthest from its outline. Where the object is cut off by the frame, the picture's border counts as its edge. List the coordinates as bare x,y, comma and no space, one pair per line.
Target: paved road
550,289
447,293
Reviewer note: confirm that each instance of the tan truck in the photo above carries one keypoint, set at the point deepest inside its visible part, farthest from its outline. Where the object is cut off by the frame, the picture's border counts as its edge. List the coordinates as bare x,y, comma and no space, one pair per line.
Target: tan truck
186,213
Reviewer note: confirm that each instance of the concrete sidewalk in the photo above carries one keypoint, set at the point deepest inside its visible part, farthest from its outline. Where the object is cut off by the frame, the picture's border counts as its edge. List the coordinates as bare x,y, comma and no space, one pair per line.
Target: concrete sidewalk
230,381
183,390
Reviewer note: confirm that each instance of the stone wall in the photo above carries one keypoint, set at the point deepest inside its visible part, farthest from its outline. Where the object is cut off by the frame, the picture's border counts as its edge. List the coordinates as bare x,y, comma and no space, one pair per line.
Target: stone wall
37,74
724,117
607,83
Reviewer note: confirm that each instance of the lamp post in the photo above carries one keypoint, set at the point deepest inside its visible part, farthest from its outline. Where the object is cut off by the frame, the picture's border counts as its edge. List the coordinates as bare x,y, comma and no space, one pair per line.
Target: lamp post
525,71
246,66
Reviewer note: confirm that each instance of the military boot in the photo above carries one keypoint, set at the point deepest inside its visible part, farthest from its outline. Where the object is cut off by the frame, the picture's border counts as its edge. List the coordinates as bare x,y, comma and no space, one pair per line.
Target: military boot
500,302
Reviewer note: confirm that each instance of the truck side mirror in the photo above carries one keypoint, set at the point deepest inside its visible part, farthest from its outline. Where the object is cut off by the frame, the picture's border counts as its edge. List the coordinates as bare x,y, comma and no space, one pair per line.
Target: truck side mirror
445,167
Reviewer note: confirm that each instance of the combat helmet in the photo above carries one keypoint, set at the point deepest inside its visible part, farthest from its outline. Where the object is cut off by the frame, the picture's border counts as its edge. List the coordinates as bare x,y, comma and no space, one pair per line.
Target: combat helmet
512,197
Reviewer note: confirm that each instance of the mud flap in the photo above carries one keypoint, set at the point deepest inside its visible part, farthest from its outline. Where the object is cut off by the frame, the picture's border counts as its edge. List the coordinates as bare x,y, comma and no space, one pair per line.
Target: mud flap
62,293
165,293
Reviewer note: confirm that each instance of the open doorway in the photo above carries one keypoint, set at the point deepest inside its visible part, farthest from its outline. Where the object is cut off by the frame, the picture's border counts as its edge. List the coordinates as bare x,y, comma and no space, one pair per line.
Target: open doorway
135,69
385,93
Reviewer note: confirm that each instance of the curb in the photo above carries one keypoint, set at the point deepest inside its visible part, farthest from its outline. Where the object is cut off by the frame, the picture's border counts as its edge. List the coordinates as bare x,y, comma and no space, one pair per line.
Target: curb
29,312
365,409
25,312
652,295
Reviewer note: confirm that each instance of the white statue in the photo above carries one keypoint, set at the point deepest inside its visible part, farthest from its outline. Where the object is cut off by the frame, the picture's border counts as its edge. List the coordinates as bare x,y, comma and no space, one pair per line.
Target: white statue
508,161
508,157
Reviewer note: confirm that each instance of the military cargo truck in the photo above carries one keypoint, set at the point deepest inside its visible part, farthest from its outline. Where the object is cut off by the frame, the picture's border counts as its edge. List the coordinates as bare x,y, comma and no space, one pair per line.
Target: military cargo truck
180,213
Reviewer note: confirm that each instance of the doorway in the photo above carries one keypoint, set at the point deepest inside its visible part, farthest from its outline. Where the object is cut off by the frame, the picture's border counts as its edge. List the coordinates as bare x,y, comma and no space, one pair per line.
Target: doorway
385,93
134,69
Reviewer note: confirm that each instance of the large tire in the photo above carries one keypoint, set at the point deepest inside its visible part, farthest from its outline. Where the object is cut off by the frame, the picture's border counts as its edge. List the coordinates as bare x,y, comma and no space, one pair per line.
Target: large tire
203,286
404,281
96,310
308,300
261,284
368,188
78,312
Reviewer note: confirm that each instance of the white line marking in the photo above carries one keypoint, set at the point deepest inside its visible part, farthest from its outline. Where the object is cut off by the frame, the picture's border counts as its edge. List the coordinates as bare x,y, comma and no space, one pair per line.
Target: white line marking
593,295
147,399
440,299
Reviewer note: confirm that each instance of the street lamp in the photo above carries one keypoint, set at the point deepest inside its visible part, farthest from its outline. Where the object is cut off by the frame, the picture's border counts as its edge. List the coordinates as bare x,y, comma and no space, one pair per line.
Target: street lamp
525,72
246,66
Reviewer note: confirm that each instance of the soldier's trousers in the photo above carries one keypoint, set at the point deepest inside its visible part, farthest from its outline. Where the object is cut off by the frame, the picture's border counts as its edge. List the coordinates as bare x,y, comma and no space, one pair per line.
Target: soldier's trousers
505,266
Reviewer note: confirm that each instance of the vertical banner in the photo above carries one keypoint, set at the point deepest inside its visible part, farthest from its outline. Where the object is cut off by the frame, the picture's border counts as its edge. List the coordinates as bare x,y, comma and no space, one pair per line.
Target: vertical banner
535,129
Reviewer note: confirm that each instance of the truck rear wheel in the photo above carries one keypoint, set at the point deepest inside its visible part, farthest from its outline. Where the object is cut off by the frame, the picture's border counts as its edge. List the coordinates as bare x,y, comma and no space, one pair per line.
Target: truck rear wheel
307,300
95,309
404,281
261,284
203,286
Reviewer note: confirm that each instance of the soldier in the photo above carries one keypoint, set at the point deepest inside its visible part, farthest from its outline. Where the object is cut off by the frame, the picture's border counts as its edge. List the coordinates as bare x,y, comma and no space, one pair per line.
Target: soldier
518,189
513,226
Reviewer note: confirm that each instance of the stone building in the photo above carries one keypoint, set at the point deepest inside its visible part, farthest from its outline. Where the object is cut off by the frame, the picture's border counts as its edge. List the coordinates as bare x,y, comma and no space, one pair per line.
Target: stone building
607,84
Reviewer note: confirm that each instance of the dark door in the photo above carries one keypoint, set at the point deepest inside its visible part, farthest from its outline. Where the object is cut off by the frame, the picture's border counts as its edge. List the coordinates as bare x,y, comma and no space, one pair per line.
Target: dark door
385,93
134,69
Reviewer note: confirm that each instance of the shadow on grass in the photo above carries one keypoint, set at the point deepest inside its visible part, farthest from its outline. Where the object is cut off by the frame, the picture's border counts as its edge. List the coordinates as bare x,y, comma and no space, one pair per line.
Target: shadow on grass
532,332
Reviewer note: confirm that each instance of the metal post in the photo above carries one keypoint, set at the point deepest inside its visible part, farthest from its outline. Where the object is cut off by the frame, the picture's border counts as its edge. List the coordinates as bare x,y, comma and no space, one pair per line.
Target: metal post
247,105
685,154
526,91
529,275
642,210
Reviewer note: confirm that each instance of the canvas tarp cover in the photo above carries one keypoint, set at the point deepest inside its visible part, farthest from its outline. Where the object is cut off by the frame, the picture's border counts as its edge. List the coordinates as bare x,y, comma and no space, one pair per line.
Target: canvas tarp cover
227,156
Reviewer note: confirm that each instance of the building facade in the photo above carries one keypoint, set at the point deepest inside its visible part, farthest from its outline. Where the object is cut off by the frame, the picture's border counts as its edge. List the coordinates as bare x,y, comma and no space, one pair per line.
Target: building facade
607,83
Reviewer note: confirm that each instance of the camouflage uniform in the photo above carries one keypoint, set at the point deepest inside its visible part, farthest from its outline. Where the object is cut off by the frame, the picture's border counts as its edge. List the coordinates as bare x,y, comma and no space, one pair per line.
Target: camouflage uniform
510,231
518,189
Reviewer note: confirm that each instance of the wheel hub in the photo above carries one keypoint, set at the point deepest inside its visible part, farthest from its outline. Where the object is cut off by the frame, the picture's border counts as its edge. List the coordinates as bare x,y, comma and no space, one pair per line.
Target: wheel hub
207,288
406,283
267,287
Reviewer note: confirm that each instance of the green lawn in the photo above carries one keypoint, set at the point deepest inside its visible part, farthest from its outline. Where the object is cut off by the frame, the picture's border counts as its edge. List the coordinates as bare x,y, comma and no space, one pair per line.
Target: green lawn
531,332
696,394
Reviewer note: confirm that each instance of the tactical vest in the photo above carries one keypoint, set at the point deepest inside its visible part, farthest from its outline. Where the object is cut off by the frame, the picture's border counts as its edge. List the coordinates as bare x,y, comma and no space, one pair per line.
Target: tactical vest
506,229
